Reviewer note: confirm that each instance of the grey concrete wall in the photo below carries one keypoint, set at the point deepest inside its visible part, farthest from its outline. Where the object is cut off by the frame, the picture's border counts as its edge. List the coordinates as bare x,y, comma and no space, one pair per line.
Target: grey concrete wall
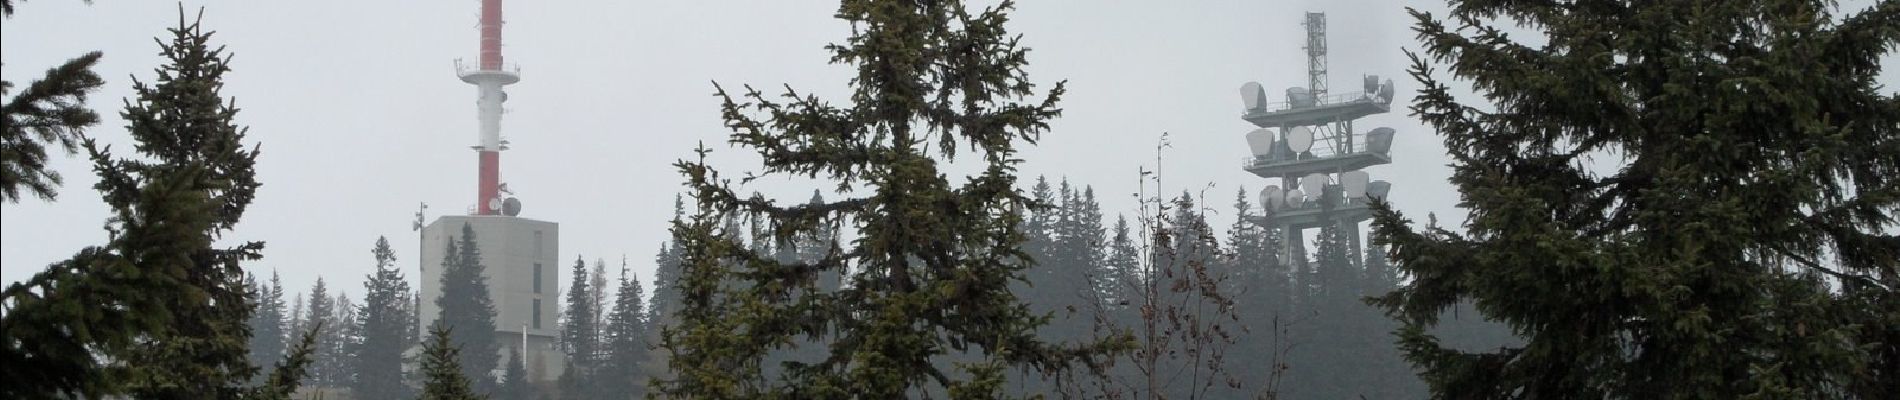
511,248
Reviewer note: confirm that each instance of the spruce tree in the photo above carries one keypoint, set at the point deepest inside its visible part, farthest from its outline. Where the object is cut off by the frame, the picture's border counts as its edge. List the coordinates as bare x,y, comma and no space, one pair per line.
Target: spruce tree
169,310
267,323
1122,264
626,346
442,371
344,341
514,378
931,267
1757,174
48,112
577,334
320,315
383,324
467,310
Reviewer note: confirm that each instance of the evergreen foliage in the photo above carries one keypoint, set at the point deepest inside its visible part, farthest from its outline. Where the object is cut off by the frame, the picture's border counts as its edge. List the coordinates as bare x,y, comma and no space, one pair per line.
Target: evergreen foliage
514,378
1758,172
48,112
578,332
170,311
626,341
328,363
442,371
930,270
467,310
267,322
384,323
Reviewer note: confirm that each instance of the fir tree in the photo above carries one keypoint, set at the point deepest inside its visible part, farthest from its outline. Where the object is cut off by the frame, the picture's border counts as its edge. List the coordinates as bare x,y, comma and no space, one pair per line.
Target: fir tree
297,325
514,378
931,269
442,371
626,346
267,323
166,307
467,310
1122,263
326,361
384,324
1758,171
577,335
47,112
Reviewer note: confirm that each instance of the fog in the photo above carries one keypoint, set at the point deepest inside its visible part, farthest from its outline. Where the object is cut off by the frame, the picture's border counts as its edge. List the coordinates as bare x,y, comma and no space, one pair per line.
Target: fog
361,118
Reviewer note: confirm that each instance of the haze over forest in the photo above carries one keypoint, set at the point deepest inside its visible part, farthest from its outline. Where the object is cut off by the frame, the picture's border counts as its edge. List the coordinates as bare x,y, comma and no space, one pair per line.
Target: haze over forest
360,119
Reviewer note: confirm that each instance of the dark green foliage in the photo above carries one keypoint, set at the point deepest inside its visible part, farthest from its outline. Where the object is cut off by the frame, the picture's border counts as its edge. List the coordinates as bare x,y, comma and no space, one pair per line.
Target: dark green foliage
514,378
49,111
267,322
283,380
1122,265
1758,174
578,332
170,311
467,310
931,266
442,371
383,322
626,346
328,363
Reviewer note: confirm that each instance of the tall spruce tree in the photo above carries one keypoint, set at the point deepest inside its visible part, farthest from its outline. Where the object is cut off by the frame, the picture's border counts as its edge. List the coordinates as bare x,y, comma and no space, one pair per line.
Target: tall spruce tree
577,334
467,311
442,371
267,323
326,360
1758,172
1122,263
48,112
931,267
514,379
167,308
383,324
621,375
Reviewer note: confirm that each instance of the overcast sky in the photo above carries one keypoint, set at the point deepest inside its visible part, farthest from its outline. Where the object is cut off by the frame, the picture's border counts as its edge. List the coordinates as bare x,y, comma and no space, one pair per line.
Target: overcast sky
361,117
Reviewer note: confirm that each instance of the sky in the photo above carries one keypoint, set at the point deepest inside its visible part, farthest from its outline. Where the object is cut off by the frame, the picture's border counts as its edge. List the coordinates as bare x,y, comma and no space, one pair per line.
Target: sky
361,118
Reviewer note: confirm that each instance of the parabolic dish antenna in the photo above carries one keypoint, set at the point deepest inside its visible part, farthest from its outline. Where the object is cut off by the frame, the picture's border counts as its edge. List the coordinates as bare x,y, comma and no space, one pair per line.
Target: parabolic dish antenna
1354,182
1253,95
1272,197
1313,183
1295,199
1260,141
1300,139
1378,189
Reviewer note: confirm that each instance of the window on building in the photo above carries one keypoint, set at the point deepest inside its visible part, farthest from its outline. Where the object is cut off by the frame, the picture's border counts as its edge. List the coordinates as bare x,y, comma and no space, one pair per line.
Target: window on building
537,277
537,314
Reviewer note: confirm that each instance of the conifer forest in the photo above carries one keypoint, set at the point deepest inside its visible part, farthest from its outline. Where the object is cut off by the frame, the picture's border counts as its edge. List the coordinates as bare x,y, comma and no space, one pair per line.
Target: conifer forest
1675,199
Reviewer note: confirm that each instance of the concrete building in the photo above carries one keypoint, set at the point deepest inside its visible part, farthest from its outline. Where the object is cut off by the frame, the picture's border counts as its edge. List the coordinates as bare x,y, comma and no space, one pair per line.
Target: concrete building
521,257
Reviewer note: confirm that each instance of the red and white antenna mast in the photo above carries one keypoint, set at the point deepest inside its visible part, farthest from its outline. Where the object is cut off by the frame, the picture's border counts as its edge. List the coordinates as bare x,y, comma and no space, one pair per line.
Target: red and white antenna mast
488,79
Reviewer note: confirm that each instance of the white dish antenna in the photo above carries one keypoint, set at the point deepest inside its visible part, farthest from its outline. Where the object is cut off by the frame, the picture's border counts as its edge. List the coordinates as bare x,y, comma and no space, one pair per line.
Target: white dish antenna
1300,139
1354,182
1260,141
1378,189
1313,183
1254,96
1295,198
1272,198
